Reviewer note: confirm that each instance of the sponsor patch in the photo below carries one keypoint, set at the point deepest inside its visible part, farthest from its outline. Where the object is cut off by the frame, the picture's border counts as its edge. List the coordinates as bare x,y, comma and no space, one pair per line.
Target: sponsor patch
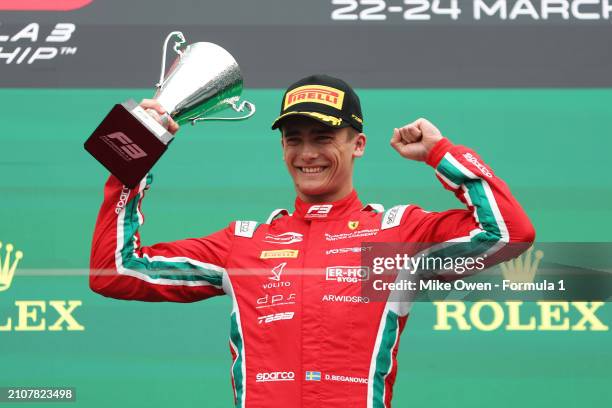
277,271
353,225
356,250
345,299
275,317
349,235
393,216
350,274
324,95
245,229
280,253
284,239
275,376
275,300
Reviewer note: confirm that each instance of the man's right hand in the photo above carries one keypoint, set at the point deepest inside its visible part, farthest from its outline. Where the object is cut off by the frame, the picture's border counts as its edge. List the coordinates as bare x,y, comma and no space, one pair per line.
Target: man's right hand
153,108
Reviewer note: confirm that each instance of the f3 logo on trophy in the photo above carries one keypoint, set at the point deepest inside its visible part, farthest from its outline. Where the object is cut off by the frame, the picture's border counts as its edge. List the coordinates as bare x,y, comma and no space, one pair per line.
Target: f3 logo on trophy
123,145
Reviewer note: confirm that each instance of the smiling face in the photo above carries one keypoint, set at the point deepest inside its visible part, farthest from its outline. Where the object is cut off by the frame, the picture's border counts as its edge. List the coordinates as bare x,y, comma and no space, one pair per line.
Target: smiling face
320,158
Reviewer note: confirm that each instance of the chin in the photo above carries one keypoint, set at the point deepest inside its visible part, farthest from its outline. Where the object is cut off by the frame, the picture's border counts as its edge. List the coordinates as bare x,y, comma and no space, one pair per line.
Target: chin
312,189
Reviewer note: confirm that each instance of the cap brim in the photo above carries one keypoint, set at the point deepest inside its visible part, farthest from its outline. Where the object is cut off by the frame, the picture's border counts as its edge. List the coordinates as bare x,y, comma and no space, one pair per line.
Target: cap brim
331,121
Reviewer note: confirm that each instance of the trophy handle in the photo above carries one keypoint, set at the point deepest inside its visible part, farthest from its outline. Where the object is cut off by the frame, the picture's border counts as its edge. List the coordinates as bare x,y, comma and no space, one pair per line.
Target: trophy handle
179,40
232,103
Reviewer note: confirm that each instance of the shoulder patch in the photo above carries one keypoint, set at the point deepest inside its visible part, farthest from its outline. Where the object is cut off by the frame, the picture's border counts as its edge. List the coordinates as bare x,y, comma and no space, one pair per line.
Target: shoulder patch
245,229
377,208
276,213
393,216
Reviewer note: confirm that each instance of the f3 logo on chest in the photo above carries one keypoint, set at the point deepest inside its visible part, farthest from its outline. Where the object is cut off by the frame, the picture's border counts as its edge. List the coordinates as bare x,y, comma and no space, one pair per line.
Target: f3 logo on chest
319,211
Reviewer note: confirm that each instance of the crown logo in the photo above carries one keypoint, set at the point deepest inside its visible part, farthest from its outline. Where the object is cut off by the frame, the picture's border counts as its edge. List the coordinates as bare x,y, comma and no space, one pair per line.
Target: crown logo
522,269
7,269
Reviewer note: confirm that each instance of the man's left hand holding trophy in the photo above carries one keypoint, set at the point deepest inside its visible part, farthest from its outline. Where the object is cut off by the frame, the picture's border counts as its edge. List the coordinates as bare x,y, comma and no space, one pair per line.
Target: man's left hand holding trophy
157,112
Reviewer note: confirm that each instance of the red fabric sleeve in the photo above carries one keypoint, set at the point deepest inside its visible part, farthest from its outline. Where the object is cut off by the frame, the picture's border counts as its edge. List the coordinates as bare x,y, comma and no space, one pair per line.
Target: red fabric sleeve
492,214
181,271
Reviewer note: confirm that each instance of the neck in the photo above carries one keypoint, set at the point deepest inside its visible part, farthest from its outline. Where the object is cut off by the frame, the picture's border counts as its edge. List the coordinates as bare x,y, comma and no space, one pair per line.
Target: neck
327,197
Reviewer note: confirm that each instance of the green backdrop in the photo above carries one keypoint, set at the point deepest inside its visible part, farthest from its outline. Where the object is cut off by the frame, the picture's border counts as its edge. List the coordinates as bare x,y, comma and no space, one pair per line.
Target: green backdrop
551,146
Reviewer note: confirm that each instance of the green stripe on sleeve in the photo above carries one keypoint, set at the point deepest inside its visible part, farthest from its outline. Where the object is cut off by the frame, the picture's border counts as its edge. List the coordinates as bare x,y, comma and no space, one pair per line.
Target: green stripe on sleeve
451,172
478,197
157,269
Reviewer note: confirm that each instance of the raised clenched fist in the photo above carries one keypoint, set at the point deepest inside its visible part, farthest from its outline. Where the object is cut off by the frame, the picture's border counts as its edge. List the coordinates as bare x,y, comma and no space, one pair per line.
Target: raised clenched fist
415,140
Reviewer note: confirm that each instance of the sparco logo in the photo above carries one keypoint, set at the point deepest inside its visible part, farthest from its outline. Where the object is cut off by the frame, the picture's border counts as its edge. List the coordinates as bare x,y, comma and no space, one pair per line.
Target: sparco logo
125,193
475,162
29,44
275,376
350,274
124,146
284,238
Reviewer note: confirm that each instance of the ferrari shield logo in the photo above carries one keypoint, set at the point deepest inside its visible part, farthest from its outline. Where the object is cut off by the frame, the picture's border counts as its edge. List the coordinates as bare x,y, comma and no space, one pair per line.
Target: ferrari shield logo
353,224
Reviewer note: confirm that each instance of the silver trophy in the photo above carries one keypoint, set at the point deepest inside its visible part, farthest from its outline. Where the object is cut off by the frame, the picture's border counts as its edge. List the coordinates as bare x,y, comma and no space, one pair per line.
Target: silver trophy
203,80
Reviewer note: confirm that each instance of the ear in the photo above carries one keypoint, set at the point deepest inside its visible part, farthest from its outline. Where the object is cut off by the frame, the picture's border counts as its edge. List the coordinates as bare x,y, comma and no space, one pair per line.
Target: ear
360,144
282,142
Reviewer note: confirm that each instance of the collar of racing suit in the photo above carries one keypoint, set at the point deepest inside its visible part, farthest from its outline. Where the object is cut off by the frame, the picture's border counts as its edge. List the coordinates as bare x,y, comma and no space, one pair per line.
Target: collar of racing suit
327,211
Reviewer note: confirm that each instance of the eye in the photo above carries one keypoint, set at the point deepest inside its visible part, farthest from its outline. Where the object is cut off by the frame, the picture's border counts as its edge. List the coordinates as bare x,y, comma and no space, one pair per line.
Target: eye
324,138
292,141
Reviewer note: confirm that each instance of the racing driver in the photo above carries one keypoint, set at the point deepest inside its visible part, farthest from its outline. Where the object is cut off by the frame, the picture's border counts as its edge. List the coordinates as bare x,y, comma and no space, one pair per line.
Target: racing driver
303,339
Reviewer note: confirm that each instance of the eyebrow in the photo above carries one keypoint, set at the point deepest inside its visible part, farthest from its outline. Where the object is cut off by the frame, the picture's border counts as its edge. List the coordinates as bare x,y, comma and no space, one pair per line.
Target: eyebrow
293,132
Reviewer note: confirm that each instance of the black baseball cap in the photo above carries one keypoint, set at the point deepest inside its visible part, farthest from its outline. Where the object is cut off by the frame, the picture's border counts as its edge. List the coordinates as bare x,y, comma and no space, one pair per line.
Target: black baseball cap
329,100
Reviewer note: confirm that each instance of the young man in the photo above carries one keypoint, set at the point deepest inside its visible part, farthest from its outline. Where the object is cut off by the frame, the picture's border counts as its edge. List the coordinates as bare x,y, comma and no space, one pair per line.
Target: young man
299,335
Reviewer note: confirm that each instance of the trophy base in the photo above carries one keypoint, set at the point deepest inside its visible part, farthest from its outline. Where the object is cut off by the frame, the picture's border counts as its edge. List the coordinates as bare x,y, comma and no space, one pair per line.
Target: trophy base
128,142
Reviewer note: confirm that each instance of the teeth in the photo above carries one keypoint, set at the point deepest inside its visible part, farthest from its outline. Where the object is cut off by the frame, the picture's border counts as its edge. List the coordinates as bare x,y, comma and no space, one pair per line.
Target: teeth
312,169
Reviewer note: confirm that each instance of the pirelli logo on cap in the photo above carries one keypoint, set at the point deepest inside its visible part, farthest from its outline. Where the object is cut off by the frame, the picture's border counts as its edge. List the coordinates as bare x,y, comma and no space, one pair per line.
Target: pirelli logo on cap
325,95
281,253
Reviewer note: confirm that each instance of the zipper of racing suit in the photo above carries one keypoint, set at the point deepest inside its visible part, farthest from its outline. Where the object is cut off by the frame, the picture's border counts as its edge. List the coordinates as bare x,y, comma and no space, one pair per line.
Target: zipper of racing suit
303,264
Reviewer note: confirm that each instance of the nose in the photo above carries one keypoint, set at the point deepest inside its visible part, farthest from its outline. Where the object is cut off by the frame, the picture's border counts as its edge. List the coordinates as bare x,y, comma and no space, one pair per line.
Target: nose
309,152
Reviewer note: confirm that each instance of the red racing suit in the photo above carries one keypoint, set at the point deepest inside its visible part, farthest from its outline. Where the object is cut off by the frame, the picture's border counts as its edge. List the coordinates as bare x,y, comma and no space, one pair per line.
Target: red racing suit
301,339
